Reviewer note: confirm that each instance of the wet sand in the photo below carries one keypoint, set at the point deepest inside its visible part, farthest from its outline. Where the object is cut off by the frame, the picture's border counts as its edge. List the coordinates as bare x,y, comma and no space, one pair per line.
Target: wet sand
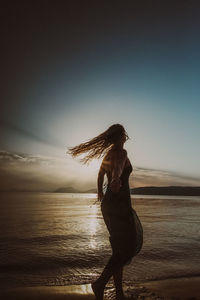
177,288
70,292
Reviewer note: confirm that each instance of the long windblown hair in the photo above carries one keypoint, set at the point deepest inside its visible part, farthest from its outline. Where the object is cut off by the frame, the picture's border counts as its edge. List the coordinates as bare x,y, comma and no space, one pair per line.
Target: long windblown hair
99,145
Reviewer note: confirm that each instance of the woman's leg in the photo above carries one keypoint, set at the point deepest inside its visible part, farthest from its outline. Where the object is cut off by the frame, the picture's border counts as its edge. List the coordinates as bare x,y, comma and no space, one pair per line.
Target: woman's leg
112,268
117,276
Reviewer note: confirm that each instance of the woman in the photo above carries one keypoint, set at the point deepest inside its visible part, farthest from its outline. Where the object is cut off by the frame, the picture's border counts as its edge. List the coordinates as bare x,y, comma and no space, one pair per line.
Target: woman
123,224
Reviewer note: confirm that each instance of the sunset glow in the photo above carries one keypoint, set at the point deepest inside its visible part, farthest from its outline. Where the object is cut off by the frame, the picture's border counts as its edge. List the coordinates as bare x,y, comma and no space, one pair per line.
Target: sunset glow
72,89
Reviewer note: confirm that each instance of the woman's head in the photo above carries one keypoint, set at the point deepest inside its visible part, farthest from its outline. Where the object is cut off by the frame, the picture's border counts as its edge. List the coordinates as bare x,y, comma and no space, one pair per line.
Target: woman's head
100,144
116,133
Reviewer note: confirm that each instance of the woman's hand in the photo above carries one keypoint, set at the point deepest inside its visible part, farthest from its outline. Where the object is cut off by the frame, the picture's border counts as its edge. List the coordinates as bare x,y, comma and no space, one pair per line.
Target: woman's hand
100,196
115,185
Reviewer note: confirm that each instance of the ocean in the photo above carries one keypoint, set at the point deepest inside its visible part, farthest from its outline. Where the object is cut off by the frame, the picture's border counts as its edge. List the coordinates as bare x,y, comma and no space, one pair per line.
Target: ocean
61,239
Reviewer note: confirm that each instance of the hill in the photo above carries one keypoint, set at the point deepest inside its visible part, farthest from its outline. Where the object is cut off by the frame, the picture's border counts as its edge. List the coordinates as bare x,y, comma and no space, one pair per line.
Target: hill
148,190
167,190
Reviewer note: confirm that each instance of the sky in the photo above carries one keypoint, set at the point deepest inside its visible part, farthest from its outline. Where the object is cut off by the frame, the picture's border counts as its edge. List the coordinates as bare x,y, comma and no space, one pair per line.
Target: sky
73,69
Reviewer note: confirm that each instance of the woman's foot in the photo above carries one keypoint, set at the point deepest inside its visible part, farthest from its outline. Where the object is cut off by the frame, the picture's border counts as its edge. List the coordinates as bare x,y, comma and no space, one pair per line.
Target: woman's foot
98,290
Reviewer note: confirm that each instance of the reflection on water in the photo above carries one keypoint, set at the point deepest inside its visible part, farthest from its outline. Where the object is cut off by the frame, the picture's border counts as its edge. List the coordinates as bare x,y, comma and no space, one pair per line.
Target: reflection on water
92,225
59,239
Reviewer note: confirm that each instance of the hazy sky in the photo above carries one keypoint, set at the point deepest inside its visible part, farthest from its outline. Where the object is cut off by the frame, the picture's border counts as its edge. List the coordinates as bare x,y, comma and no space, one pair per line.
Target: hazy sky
70,71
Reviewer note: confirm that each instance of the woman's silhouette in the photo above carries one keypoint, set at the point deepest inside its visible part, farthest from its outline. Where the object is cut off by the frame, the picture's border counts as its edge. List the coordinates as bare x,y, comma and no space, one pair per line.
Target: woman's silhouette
123,224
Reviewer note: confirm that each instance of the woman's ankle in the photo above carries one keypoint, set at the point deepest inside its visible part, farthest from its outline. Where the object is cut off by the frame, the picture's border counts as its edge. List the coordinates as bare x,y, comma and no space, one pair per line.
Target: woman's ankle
99,283
98,290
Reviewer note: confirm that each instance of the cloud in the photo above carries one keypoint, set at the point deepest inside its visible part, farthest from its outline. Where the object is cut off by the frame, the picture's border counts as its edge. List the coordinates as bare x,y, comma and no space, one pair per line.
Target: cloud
9,157
152,177
44,173
19,159
29,172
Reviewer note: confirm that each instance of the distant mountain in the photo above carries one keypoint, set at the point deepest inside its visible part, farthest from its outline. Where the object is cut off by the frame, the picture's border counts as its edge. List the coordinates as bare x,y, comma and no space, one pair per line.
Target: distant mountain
93,191
167,190
147,190
68,189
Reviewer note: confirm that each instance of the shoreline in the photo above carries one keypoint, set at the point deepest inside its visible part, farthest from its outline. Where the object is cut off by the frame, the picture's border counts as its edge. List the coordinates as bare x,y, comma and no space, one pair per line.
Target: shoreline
166,289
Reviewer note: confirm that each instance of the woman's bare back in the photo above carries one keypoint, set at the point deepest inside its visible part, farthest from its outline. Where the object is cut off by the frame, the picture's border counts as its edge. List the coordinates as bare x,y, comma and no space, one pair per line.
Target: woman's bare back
112,157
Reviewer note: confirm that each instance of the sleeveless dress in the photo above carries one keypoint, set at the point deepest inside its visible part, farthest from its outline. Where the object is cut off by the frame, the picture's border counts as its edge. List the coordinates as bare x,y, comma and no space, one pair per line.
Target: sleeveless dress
123,224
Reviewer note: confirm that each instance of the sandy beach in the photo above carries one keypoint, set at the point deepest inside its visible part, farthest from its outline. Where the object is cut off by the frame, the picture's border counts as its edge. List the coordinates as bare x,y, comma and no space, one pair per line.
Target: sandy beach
177,288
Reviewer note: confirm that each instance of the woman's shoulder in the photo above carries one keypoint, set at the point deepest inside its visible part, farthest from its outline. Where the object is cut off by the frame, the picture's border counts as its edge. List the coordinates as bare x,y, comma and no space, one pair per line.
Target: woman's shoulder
117,151
114,154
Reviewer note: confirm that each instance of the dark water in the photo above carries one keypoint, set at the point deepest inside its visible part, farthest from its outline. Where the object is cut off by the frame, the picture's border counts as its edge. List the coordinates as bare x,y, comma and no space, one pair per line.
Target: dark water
60,239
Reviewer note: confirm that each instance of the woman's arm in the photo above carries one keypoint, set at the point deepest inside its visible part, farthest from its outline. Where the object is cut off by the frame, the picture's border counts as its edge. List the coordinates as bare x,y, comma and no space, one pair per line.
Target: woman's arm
100,182
118,163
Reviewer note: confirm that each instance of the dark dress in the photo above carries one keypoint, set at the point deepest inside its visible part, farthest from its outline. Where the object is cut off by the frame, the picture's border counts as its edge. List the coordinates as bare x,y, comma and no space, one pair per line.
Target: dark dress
124,226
